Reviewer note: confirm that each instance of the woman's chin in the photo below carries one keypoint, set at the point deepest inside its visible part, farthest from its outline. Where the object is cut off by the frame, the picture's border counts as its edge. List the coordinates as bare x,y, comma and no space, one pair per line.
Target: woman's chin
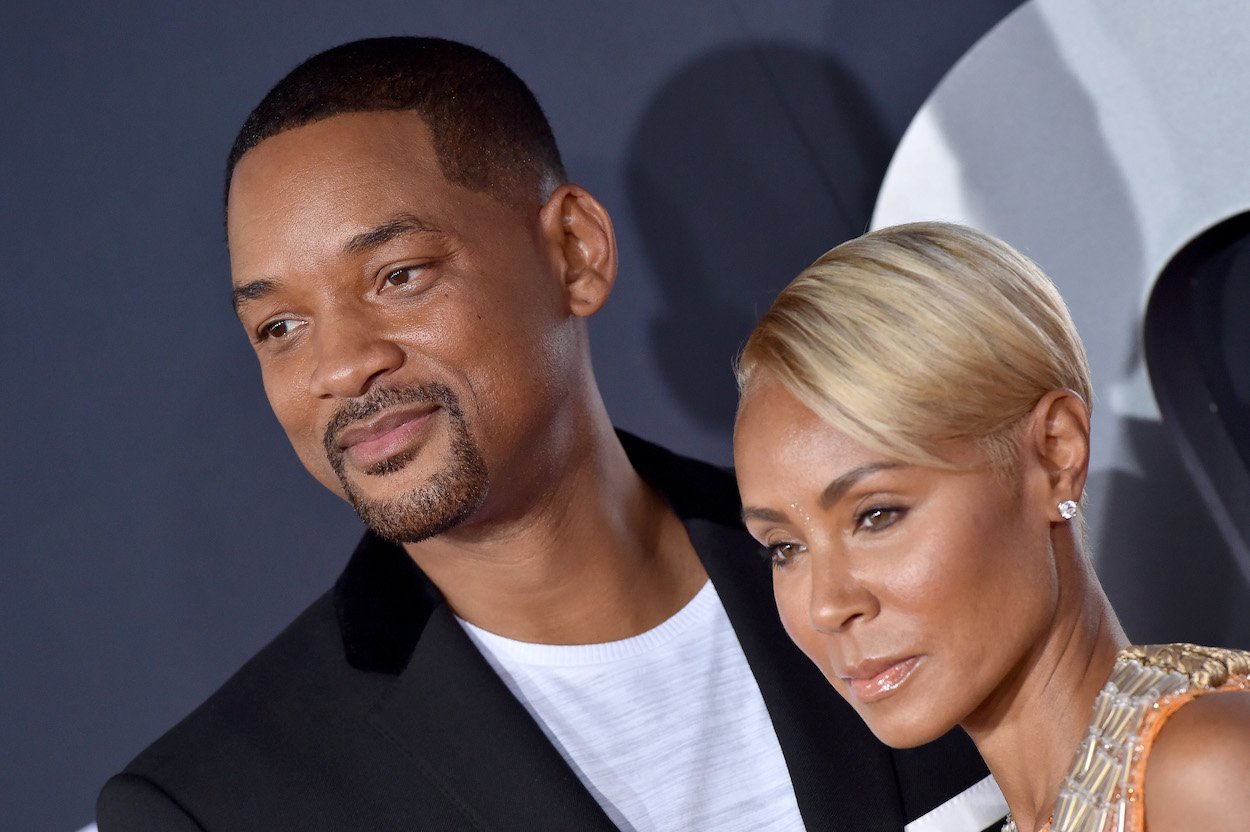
902,731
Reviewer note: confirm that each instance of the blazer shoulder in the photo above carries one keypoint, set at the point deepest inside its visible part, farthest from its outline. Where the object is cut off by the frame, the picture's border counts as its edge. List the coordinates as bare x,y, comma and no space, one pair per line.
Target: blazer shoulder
299,680
694,488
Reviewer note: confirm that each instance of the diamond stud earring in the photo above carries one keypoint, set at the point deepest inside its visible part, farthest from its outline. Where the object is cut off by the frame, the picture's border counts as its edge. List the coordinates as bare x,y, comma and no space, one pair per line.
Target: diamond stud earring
1067,509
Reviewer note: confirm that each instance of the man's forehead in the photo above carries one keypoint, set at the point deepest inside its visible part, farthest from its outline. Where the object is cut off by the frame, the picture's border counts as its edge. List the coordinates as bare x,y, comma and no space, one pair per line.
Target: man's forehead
372,147
333,180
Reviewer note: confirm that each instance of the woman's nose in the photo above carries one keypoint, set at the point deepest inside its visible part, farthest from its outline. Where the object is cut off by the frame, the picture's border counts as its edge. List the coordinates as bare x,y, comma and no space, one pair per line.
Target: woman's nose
838,598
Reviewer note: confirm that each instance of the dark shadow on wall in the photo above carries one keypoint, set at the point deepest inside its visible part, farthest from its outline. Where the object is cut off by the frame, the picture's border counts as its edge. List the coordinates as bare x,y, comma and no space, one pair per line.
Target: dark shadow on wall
1162,559
748,164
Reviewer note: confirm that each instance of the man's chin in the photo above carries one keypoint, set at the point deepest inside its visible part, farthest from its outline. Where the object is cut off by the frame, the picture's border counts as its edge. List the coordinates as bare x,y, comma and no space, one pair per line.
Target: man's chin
418,515
390,479
405,508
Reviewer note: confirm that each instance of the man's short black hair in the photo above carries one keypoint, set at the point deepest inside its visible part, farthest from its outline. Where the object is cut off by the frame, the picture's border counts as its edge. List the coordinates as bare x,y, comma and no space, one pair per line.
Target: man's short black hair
488,130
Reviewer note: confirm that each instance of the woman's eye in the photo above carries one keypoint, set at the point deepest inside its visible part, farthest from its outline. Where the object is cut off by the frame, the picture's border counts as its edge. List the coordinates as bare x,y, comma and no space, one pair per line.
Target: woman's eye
878,518
781,553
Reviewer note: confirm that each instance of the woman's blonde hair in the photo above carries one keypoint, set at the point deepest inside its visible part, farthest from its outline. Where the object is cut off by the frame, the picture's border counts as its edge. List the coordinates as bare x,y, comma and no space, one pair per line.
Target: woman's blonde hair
915,334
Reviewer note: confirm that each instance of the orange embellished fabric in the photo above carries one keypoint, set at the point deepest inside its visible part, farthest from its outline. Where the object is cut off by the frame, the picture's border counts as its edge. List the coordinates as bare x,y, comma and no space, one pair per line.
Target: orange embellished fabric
1103,790
1225,670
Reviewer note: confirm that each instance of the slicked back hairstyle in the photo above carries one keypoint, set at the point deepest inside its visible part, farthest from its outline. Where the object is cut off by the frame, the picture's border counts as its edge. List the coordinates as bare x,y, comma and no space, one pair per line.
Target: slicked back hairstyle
912,335
488,129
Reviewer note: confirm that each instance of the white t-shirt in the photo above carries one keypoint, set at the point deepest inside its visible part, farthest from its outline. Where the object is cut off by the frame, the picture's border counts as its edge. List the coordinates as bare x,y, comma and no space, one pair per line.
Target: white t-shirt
666,729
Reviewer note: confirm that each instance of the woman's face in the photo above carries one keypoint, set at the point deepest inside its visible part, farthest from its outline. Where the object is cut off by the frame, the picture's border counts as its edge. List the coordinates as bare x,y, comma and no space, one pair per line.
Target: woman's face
919,592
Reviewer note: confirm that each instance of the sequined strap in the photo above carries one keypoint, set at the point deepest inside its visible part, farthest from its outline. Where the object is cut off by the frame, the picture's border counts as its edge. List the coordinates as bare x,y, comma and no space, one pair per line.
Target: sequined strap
1205,667
1102,792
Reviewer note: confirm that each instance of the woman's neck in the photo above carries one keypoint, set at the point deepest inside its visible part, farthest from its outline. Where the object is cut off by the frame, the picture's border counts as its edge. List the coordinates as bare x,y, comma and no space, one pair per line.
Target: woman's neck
1028,731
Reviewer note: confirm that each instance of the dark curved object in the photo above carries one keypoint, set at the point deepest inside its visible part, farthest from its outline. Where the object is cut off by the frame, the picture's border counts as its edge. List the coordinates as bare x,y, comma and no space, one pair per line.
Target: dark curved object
1197,343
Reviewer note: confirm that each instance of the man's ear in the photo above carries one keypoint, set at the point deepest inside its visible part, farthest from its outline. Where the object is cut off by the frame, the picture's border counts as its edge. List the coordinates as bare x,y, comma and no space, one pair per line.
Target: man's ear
1058,437
579,232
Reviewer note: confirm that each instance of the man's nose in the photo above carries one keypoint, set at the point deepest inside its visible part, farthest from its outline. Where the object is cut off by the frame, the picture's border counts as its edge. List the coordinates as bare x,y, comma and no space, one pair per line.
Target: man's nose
351,354
839,597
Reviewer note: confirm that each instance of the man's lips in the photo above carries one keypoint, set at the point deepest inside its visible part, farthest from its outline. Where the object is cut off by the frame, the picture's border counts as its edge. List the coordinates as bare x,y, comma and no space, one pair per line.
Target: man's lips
385,435
875,679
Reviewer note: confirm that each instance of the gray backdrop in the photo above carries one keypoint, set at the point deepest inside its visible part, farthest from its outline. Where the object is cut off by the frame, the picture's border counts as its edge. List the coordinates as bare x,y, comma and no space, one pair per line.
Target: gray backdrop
157,529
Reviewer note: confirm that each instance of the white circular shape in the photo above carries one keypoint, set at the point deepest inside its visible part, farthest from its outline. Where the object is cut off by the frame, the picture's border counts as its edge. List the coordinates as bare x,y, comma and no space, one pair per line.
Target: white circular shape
1098,138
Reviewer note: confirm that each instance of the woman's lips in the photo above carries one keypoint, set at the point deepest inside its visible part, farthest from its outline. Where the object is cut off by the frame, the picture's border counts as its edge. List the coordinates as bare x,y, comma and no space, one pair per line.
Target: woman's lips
872,681
382,438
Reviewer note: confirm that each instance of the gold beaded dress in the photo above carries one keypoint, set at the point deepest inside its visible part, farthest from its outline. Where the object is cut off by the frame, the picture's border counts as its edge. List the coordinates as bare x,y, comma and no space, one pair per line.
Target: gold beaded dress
1103,790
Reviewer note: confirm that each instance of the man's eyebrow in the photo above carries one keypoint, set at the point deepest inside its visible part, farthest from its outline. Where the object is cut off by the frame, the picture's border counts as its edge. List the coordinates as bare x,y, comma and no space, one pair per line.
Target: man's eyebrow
387,231
255,290
834,490
397,226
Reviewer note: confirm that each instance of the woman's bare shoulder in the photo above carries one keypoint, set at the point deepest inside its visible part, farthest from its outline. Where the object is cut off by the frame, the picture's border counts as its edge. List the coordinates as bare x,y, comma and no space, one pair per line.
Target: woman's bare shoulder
1198,772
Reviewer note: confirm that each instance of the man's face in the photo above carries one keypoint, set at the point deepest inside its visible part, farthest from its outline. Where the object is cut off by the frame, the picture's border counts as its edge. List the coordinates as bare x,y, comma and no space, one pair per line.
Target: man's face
413,335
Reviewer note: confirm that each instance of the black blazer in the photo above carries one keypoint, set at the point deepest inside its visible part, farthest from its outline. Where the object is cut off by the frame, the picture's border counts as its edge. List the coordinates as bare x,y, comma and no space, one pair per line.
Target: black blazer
374,711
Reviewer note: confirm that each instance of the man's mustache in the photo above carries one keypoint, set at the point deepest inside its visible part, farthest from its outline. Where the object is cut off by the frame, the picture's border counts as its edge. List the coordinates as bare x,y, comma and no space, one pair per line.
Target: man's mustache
380,399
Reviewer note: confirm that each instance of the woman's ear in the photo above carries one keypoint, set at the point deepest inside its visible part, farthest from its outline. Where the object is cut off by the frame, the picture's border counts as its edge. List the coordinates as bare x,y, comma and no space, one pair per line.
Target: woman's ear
579,231
1058,437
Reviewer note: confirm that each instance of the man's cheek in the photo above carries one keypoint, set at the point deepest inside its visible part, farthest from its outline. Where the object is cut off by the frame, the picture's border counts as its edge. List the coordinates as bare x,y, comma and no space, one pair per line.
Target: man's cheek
316,463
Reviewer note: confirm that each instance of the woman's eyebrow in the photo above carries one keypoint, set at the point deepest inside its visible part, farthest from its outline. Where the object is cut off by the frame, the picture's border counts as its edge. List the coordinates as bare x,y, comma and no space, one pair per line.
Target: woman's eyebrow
834,490
832,493
768,515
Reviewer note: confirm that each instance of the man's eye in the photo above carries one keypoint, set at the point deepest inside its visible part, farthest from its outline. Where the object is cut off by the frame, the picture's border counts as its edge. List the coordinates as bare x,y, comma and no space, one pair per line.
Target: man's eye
781,553
878,518
400,277
278,329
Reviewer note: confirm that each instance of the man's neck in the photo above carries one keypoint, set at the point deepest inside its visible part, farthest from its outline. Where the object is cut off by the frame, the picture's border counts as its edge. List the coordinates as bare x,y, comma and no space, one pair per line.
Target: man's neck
597,555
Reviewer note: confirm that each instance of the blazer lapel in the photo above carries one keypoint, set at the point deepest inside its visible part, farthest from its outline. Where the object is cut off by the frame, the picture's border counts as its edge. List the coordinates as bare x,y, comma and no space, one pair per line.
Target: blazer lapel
835,762
446,708
466,731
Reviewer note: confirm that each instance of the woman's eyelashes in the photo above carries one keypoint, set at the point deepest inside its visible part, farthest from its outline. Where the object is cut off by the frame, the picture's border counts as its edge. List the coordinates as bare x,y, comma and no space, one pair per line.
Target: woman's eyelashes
878,518
781,553
875,518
